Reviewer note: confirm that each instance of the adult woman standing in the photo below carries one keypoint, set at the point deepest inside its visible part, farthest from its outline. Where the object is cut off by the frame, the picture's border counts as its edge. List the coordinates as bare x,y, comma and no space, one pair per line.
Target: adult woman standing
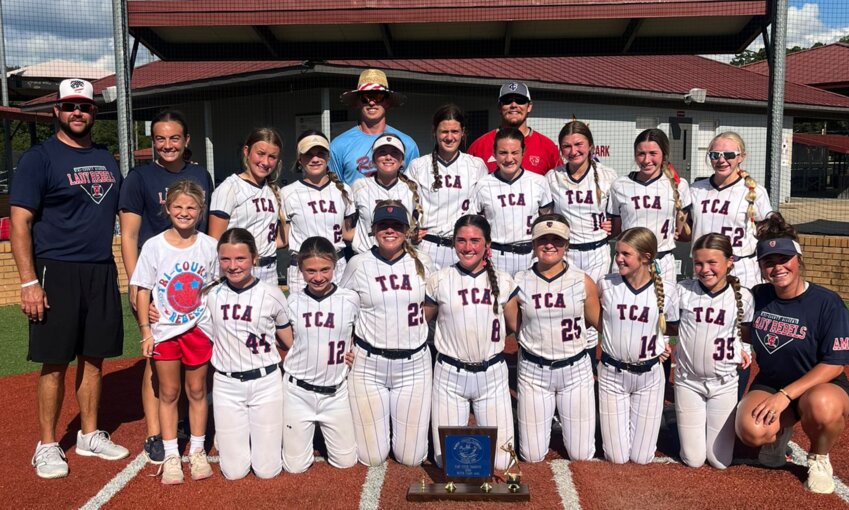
445,178
800,333
143,193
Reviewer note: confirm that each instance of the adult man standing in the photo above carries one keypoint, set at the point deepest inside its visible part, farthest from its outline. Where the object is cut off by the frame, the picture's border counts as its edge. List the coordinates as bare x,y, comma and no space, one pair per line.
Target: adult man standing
351,151
514,103
64,201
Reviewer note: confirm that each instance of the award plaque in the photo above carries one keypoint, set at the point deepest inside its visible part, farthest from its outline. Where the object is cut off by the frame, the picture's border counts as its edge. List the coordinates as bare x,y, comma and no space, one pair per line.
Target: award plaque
468,454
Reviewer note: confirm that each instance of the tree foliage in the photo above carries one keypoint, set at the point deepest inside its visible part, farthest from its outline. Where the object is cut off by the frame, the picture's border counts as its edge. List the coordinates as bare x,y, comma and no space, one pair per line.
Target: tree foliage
750,57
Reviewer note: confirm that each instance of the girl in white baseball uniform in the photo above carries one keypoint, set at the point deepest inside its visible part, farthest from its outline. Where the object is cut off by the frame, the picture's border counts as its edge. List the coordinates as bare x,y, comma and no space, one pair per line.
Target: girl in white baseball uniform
387,183
468,302
510,199
319,204
173,267
250,200
557,302
637,304
250,322
445,179
716,315
391,378
314,388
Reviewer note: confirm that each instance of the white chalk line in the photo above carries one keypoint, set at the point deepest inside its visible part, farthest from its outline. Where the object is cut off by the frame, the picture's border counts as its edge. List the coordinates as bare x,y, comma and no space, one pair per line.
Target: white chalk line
117,483
565,486
373,485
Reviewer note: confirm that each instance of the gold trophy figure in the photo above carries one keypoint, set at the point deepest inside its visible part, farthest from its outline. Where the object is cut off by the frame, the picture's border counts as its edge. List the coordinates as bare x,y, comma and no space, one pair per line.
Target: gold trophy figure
513,479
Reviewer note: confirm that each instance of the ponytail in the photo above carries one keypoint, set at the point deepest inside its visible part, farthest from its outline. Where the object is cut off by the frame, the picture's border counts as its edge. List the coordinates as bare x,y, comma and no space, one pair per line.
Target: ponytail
437,180
417,204
738,299
654,271
673,177
493,283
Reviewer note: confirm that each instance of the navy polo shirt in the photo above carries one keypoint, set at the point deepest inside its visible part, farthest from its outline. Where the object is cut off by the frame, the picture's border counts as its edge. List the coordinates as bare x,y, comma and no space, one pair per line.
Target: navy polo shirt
73,194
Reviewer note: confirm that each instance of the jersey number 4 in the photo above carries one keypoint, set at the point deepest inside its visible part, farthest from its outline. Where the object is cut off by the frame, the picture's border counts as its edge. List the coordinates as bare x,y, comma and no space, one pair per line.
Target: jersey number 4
255,343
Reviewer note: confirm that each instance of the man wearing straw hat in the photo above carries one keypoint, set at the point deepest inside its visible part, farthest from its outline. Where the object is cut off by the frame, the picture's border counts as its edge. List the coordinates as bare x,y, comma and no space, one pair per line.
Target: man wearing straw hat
351,151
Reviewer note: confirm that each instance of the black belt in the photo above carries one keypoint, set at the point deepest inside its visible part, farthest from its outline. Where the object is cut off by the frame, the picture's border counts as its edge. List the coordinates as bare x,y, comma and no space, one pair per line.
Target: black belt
471,367
662,254
637,368
522,248
250,375
267,261
388,353
588,246
293,257
324,390
741,257
538,360
441,241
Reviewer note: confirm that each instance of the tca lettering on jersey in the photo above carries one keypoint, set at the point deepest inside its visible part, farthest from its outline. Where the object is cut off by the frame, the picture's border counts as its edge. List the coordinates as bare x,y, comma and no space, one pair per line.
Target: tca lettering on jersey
548,300
236,313
646,202
263,204
322,206
632,312
715,206
394,282
452,181
319,320
578,196
475,296
710,315
512,199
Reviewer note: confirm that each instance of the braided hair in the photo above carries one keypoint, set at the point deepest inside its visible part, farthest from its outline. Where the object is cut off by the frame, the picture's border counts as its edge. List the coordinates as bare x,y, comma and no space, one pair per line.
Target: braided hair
644,242
445,112
576,127
659,137
722,243
297,168
479,222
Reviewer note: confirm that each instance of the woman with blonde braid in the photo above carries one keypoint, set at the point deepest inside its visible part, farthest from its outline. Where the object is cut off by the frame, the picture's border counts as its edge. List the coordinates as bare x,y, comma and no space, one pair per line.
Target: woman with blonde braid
713,339
250,200
445,178
389,386
319,204
637,308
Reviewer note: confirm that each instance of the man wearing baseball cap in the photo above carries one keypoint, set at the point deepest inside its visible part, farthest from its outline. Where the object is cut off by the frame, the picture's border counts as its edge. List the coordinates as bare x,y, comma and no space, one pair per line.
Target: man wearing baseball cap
514,103
64,202
351,151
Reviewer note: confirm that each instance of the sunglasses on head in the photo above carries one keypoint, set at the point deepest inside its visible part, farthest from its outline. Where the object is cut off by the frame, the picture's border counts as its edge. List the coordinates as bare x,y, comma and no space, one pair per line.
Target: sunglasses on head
728,155
520,100
69,107
368,97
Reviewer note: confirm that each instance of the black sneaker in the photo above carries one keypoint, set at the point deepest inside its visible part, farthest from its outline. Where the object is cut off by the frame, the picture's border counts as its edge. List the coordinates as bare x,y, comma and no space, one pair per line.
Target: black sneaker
154,449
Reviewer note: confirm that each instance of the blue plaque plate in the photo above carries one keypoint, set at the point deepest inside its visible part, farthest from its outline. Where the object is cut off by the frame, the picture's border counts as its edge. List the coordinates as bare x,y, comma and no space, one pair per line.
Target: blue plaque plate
467,456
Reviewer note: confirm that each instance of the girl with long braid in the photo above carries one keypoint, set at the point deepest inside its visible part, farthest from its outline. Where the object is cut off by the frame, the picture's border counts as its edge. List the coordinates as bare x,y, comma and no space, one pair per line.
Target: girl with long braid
638,308
468,302
445,178
713,339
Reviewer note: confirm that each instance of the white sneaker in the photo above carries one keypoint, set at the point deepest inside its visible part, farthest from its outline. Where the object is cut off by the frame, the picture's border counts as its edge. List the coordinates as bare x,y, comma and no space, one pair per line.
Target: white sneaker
820,474
49,461
171,470
774,455
98,444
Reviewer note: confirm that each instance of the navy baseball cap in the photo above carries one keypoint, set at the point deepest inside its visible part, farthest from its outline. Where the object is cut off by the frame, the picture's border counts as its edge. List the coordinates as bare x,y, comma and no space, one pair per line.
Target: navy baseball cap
778,246
390,213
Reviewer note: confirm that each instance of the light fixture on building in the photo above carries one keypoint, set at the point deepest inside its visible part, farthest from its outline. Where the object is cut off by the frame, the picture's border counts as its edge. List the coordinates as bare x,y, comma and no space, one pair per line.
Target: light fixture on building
695,94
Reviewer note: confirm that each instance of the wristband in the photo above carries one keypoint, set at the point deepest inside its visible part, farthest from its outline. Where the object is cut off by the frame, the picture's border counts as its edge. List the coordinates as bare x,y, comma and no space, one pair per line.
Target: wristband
784,392
145,325
29,284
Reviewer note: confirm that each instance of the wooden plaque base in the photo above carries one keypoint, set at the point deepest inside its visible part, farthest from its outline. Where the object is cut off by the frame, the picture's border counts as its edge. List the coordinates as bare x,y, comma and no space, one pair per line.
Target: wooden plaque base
466,492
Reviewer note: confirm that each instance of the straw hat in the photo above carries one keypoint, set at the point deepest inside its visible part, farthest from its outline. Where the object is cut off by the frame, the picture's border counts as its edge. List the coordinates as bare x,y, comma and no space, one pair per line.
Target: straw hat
373,80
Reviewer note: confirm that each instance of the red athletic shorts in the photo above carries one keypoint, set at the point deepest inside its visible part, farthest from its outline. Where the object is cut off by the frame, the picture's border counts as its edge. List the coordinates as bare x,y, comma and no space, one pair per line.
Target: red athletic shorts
192,348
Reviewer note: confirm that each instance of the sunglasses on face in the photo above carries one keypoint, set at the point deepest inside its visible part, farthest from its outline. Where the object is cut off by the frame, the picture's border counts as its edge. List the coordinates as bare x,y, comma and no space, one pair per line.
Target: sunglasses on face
520,100
70,107
376,97
728,155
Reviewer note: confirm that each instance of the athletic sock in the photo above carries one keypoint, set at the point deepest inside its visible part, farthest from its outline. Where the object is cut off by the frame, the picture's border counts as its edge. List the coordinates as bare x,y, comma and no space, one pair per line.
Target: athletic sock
196,443
171,447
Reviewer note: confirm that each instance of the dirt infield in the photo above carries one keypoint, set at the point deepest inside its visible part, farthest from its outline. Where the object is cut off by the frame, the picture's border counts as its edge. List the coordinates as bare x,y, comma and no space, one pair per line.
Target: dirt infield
554,483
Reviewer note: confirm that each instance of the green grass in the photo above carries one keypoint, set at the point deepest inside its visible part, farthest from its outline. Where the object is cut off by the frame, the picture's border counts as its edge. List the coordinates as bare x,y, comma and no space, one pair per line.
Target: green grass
14,338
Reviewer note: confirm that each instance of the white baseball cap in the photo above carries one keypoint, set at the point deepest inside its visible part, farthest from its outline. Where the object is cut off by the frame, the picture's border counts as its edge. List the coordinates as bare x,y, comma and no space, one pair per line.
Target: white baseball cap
76,88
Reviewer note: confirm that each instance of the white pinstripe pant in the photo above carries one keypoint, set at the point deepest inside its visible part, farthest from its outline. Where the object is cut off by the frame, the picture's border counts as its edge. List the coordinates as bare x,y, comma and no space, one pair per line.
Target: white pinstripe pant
748,271
596,263
454,388
442,256
385,390
705,409
511,263
268,273
571,390
630,407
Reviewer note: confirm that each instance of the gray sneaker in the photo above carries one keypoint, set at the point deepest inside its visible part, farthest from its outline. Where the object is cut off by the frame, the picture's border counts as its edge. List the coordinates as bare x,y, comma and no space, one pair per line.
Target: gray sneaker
774,454
49,461
98,444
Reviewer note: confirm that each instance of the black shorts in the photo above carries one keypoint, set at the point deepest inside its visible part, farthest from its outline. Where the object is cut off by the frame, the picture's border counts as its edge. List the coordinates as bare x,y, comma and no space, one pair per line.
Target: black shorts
84,317
760,384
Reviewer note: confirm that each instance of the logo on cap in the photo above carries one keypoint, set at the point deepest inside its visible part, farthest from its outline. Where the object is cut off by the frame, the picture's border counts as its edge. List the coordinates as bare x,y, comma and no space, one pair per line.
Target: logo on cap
772,244
549,224
77,85
389,209
513,86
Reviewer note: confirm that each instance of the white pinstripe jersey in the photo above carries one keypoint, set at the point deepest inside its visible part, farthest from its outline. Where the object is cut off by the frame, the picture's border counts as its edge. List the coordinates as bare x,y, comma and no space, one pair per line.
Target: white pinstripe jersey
323,328
444,206
391,298
648,204
708,344
248,206
629,318
511,207
315,211
467,327
723,210
578,201
552,312
367,192
245,324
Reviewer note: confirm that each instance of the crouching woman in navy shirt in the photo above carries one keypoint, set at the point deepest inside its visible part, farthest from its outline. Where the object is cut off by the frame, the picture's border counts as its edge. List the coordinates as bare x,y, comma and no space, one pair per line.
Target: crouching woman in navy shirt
801,340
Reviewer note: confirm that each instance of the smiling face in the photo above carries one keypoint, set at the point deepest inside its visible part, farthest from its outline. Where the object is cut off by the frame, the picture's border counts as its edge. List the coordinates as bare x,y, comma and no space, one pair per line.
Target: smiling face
649,157
782,271
184,212
725,170
575,150
711,267
390,237
629,261
514,110
318,273
372,107
314,162
449,134
75,124
549,249
471,246
262,158
508,156
388,161
235,262
170,142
